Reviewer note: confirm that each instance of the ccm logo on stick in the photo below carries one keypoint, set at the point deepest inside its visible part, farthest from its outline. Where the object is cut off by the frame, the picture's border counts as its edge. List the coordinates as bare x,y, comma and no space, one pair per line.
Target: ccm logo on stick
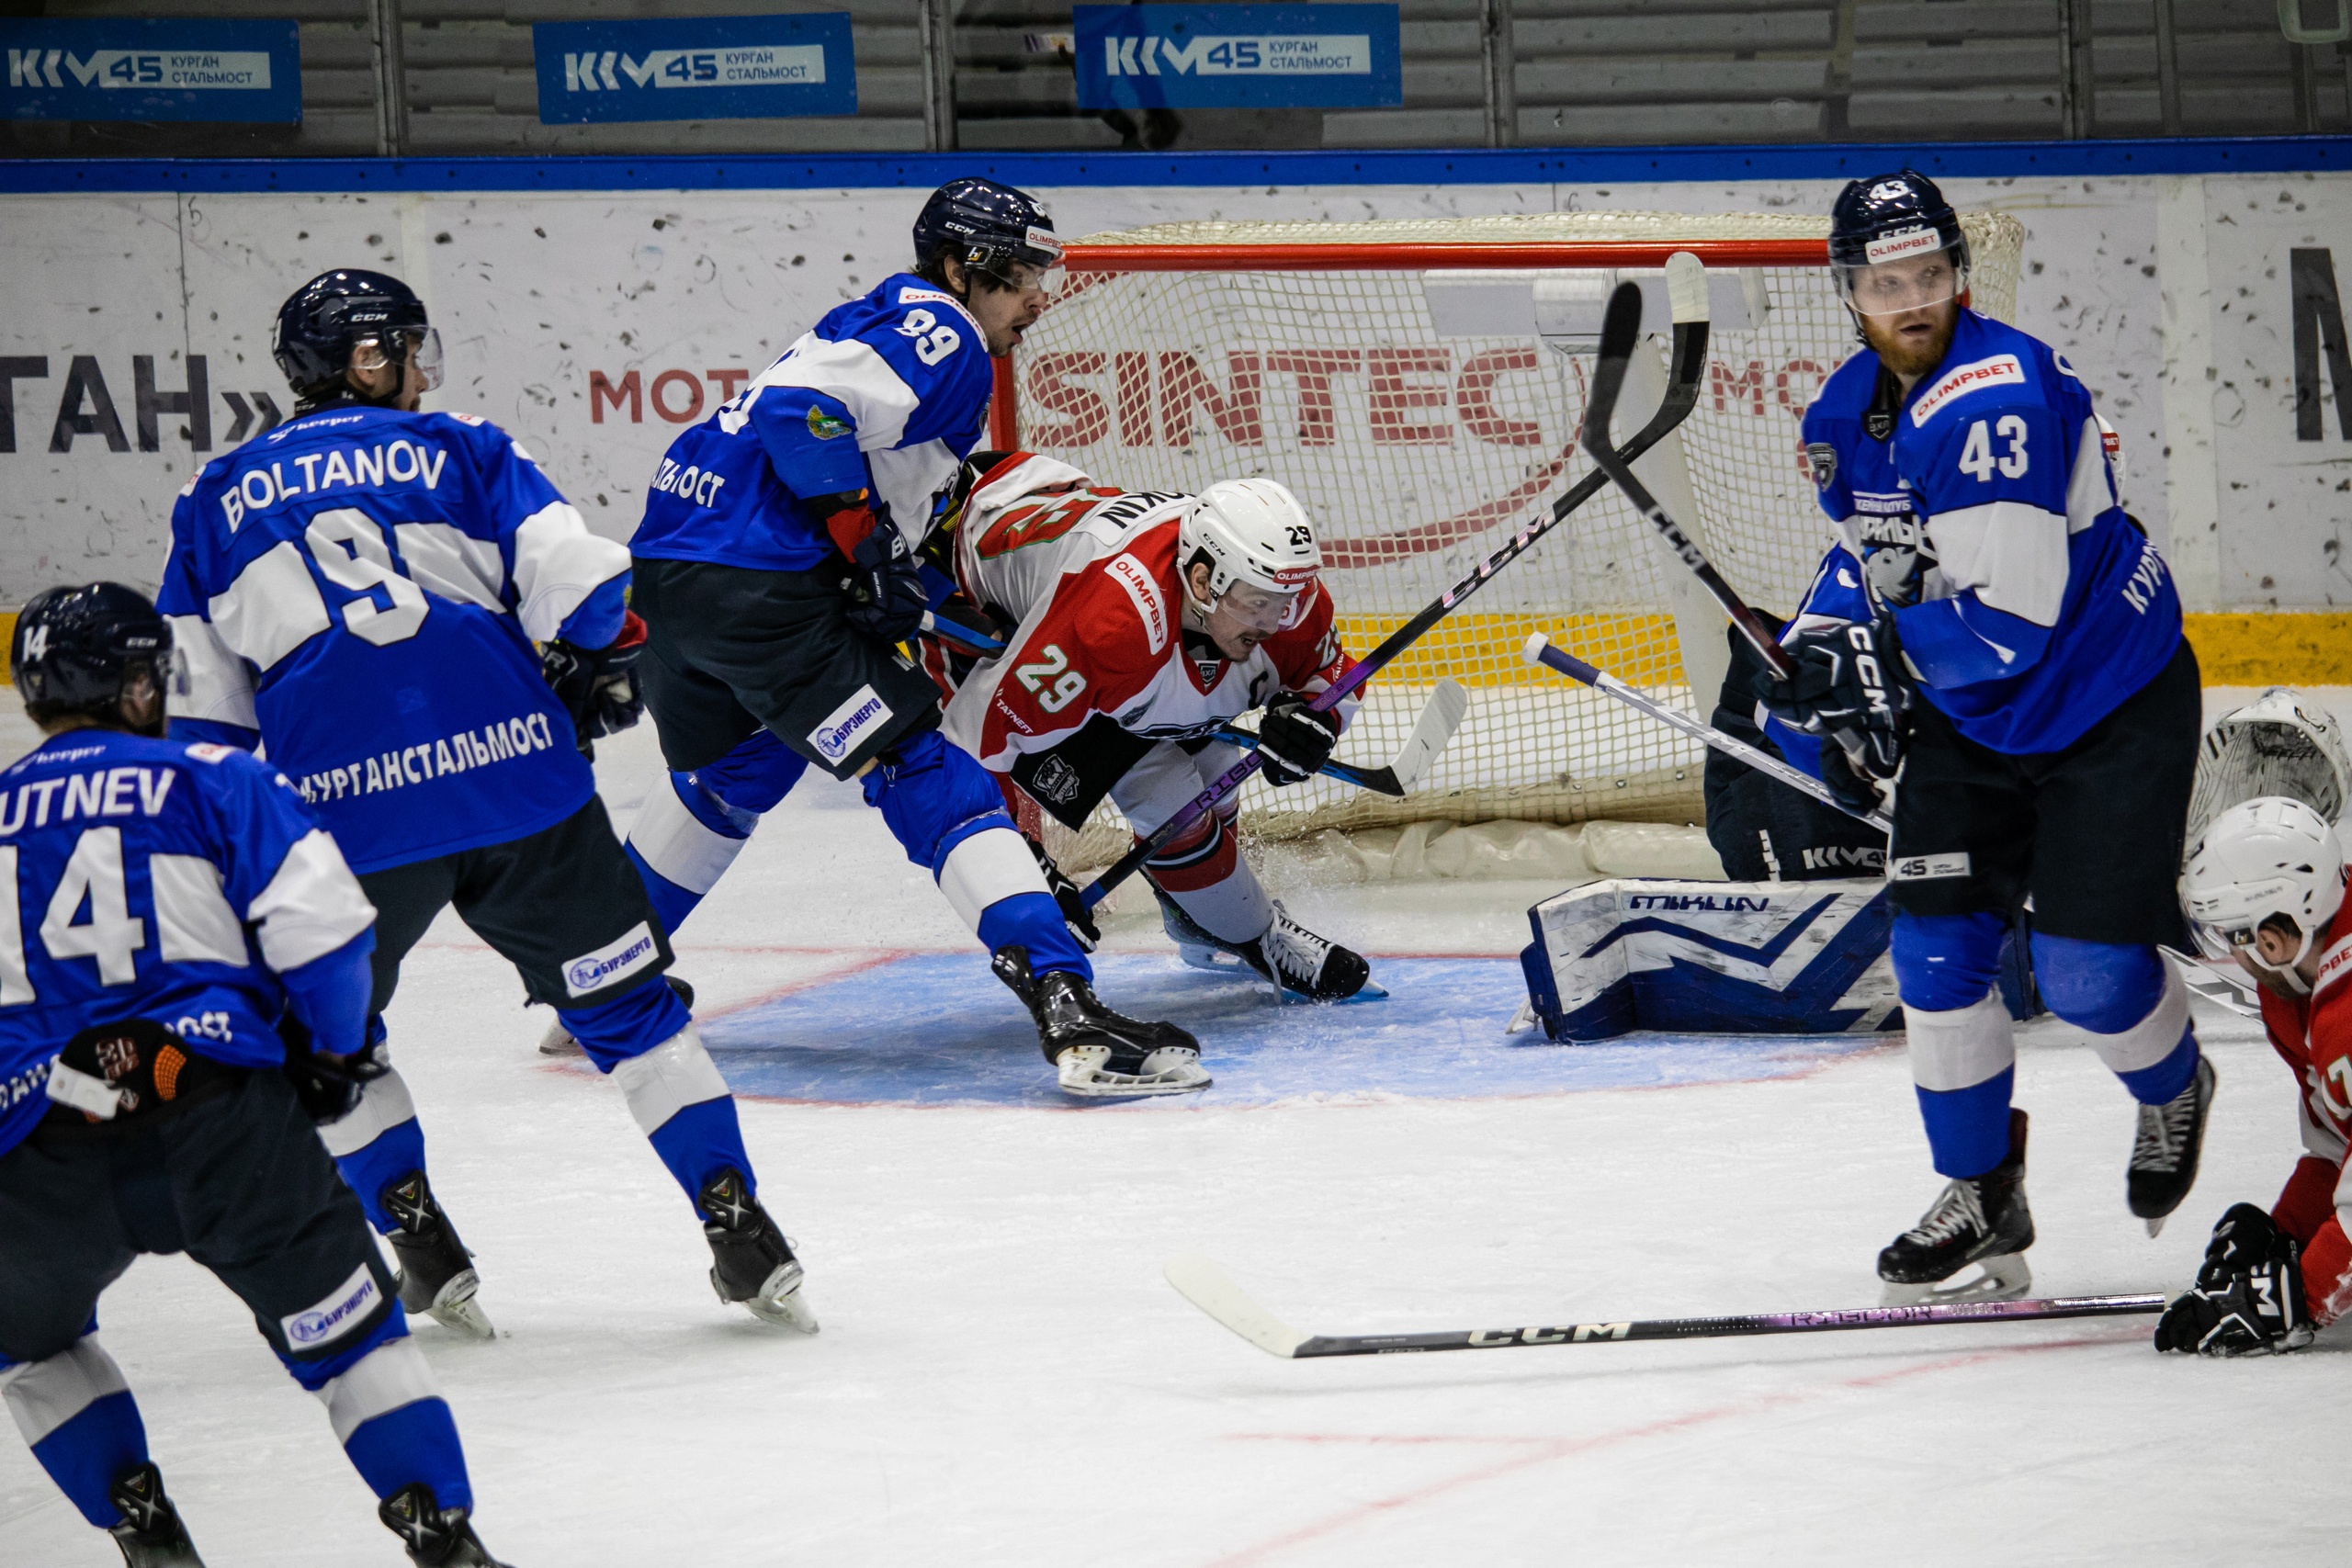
1578,1333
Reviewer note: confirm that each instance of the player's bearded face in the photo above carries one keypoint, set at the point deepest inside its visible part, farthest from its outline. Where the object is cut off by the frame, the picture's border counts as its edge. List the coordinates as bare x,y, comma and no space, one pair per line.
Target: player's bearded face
1908,309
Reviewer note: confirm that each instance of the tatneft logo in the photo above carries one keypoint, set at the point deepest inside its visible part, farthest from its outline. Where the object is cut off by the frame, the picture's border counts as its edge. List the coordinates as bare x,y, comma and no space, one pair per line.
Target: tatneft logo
1901,243
344,1308
2002,368
1131,575
756,65
838,736
615,960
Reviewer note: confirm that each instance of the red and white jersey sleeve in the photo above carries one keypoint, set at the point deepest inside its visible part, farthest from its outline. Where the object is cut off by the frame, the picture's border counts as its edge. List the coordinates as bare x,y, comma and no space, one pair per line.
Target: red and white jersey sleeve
2313,1035
1091,576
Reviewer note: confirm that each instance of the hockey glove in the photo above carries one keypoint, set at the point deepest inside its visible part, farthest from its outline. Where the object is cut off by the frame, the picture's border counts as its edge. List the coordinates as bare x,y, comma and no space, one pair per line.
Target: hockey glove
329,1087
597,686
884,582
2248,1298
130,1069
1294,740
1846,684
1075,914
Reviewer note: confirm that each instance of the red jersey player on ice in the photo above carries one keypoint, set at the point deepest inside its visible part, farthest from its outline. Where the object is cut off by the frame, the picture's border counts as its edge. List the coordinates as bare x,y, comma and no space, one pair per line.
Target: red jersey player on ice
2267,879
1143,621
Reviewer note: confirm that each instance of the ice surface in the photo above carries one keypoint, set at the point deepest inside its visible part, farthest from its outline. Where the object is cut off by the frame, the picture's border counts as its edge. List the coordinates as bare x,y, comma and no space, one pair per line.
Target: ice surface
1003,1377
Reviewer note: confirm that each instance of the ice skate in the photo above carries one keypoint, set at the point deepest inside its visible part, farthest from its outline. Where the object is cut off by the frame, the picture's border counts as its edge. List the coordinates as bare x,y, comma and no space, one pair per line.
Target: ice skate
435,1537
558,1039
752,1260
1980,1220
1302,965
2163,1155
436,1272
150,1534
1098,1054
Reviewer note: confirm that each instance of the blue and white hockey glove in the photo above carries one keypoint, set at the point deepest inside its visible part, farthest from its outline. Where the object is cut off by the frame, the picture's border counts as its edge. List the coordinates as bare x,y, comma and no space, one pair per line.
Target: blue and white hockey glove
2248,1299
597,686
884,585
1846,684
1294,740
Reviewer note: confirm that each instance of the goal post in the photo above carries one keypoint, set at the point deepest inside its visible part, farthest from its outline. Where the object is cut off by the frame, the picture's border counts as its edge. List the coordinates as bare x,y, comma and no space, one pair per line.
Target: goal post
1419,384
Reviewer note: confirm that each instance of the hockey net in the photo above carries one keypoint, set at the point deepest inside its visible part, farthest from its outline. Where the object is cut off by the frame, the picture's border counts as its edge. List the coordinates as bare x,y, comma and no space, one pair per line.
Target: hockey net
1318,353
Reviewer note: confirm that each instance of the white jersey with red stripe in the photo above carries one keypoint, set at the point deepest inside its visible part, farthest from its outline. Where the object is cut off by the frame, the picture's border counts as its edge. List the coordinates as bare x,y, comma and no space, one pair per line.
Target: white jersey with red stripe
1089,574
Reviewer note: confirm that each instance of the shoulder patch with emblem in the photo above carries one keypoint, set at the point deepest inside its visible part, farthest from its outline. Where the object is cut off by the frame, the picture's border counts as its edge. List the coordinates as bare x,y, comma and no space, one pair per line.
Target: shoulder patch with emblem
824,426
1823,459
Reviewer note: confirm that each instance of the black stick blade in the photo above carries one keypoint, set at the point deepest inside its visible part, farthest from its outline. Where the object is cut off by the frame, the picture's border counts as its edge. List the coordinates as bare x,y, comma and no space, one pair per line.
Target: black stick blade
1622,325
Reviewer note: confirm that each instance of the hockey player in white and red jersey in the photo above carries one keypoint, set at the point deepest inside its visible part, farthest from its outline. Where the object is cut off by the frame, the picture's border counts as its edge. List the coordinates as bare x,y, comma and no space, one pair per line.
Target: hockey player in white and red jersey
1141,622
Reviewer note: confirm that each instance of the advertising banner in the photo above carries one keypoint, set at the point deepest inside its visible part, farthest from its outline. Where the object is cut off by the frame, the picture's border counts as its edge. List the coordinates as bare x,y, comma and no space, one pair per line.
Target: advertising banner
1237,57
694,68
250,73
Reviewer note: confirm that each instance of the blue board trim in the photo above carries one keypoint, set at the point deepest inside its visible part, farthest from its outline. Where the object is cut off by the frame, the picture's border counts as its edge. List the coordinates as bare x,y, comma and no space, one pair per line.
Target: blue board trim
922,171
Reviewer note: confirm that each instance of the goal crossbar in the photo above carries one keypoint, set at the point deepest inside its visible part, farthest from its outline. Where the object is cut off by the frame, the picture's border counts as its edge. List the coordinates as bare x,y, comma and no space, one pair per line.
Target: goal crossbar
1441,254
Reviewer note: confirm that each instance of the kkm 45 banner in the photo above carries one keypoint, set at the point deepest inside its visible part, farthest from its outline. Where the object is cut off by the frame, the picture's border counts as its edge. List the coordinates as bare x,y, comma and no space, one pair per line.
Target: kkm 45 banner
247,71
1231,57
694,68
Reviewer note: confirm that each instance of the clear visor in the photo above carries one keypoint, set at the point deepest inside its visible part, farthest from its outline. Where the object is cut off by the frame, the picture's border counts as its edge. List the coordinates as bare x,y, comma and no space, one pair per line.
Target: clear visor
370,354
2220,942
1259,610
1022,276
1914,283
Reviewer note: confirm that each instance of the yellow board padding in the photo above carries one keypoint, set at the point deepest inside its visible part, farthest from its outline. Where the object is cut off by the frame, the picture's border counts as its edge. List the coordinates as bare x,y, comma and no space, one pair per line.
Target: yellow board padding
2256,648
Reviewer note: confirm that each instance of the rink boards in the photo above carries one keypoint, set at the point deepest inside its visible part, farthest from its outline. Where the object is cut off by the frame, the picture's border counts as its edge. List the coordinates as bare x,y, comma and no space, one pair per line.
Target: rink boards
936,1029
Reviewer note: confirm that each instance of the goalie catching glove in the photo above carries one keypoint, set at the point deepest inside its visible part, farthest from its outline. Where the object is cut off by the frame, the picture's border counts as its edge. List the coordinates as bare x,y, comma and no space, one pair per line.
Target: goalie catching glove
597,686
2248,1298
884,583
1846,684
1294,740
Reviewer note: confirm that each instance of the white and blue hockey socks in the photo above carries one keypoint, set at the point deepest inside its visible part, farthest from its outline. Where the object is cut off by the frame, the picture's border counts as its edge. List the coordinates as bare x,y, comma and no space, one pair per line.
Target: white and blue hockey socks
645,1039
947,813
79,1419
693,825
388,1414
378,1141
1963,1052
2131,1004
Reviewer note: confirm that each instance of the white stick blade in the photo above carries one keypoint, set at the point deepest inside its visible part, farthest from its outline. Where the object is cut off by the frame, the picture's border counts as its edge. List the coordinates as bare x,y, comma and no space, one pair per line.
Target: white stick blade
1207,1286
1686,287
1439,720
1536,643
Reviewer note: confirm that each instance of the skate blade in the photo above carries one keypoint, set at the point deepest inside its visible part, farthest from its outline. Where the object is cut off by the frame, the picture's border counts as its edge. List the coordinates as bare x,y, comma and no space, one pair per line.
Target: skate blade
1081,1073
456,1308
2156,1225
1371,991
2005,1278
557,1041
1215,960
781,1302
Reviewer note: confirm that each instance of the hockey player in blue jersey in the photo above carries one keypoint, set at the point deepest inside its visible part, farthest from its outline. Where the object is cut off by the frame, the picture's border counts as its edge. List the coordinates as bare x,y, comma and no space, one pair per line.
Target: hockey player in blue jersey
359,590
776,572
169,914
2048,750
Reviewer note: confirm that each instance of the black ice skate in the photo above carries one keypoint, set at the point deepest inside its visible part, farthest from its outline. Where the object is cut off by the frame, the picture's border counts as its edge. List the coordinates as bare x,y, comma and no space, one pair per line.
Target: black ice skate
436,1272
150,1534
1098,1054
1302,965
1981,1219
435,1536
752,1260
2163,1155
558,1039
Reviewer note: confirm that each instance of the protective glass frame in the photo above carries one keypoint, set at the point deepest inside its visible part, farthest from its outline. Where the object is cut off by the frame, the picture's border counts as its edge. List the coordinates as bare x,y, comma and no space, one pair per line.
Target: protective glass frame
426,342
1264,610
1848,289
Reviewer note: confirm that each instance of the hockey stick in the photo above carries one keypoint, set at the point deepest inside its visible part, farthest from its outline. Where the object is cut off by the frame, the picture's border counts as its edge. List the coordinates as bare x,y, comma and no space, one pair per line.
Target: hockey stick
1689,361
1542,650
1208,1287
1686,284
1439,720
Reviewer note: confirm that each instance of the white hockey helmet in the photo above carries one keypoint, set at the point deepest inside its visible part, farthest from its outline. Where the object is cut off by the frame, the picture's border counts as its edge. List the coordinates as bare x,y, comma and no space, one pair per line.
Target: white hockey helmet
2278,744
1253,532
2261,858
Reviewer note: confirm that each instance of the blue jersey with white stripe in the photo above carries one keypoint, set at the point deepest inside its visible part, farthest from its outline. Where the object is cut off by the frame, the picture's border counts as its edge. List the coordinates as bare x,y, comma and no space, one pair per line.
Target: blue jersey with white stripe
888,394
361,589
2046,607
187,885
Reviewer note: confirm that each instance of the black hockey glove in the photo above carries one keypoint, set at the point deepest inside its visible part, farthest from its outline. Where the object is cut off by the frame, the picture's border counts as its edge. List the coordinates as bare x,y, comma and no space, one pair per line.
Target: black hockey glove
328,1087
1075,914
2248,1298
884,582
131,1069
597,686
1294,740
1848,685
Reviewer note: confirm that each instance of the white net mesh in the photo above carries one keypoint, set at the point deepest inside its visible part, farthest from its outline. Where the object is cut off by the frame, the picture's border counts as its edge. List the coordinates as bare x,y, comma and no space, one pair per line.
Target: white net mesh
1419,453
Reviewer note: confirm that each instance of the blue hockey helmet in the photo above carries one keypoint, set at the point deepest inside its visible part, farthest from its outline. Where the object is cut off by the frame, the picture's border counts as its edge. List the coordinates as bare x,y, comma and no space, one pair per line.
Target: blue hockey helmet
1889,218
75,649
327,320
987,226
